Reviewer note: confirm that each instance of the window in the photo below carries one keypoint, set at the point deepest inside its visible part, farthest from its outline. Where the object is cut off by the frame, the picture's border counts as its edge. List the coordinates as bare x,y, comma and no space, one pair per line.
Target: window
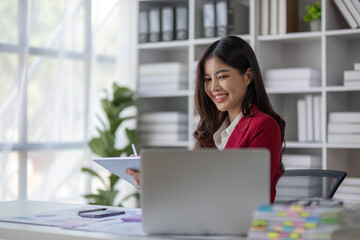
56,57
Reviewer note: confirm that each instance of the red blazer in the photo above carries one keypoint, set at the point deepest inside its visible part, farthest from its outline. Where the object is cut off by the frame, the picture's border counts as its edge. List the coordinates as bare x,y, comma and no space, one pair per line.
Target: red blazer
259,131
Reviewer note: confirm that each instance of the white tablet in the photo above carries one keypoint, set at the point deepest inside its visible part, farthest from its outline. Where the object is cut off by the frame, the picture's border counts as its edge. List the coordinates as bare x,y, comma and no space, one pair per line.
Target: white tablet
118,166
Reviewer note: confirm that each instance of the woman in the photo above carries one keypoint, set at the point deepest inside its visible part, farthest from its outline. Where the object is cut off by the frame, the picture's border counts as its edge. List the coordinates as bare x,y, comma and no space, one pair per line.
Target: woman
235,111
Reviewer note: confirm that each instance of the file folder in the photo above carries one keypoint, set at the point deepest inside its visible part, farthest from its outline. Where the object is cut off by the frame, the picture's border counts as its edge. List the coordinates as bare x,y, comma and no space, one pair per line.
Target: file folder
181,23
155,27
143,27
209,19
167,23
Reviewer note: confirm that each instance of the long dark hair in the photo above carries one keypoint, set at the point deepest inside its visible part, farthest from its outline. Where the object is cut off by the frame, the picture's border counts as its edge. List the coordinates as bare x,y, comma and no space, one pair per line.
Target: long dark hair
238,54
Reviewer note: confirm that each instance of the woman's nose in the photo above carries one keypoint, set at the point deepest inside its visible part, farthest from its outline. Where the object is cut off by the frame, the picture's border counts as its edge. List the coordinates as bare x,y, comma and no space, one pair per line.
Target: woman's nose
215,85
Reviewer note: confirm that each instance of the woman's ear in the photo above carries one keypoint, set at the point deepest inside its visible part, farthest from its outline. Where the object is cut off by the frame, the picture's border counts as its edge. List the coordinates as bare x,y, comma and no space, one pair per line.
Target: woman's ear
248,76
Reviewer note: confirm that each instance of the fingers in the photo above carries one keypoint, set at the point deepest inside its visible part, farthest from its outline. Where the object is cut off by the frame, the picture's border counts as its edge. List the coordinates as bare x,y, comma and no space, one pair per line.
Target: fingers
135,175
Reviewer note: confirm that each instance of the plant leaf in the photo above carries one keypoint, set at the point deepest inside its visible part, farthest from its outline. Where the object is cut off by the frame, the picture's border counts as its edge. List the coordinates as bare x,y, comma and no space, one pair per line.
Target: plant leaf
94,174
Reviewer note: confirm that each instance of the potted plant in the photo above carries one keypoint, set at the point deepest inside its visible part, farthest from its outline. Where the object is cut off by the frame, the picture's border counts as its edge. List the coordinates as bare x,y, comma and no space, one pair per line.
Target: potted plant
104,145
313,16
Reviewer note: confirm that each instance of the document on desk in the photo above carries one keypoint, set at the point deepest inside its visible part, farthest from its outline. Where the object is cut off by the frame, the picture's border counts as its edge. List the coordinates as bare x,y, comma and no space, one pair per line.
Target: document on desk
71,220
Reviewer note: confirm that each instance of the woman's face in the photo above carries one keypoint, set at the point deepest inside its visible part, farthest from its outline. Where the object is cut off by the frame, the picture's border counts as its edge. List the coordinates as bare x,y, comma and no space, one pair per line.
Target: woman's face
226,86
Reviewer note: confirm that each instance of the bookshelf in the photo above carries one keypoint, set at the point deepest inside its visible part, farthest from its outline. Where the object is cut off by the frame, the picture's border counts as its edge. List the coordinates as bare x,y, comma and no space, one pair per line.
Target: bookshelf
332,50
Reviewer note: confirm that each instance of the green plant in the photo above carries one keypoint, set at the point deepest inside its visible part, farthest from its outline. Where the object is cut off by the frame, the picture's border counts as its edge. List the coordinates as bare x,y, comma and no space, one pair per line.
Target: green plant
313,12
104,145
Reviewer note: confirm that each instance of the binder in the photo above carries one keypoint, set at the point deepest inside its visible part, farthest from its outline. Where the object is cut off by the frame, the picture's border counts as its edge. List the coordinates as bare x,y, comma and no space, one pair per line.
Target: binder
181,23
143,27
154,24
167,23
209,19
224,18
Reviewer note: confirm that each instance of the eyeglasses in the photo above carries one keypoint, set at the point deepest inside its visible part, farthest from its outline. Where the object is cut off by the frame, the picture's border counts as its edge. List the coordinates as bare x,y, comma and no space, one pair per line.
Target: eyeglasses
318,202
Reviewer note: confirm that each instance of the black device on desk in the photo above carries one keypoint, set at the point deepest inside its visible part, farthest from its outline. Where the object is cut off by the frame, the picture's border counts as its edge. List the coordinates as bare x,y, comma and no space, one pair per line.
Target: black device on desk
100,213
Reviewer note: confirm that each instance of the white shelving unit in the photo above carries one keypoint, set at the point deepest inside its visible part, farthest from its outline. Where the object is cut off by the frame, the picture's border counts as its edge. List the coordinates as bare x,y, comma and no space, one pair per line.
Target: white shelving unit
333,49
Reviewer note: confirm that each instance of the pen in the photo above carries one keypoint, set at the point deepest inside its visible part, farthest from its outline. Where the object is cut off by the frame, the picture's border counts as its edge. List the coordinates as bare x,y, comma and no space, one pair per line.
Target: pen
134,150
91,210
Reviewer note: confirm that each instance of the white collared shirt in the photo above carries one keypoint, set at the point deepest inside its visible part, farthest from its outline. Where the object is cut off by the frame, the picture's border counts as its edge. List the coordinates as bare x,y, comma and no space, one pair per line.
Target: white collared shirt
222,135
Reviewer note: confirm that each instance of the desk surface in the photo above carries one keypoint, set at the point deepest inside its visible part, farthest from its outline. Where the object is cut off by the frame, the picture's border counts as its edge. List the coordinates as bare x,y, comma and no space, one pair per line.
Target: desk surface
29,232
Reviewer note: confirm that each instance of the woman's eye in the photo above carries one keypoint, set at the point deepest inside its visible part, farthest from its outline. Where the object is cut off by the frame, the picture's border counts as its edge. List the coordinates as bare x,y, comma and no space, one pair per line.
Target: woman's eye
223,77
207,79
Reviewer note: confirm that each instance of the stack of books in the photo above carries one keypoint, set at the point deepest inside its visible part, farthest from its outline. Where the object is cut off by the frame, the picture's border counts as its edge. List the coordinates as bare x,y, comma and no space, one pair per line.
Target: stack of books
294,222
170,76
349,191
344,127
352,77
290,188
350,9
309,119
157,128
279,16
292,78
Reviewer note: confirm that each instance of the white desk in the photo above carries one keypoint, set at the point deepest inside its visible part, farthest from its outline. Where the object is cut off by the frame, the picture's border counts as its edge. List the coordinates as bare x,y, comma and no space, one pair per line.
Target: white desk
29,232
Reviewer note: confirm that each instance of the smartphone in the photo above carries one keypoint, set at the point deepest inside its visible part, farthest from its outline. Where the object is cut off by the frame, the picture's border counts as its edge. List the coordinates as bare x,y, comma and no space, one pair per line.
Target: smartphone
100,214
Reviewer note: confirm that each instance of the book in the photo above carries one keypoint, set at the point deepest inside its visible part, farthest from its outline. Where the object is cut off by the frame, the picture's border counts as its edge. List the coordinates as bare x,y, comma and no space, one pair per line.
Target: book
143,27
293,72
181,23
167,23
224,24
163,128
301,120
164,117
353,11
344,138
162,68
163,79
298,182
347,197
344,117
292,83
288,16
265,17
351,181
162,87
274,17
343,128
169,137
209,19
352,84
356,4
357,65
304,161
154,24
346,14
309,118
352,75
348,189
317,118
299,192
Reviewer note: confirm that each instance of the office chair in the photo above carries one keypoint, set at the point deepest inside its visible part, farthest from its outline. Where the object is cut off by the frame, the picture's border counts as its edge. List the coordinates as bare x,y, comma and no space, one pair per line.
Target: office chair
308,183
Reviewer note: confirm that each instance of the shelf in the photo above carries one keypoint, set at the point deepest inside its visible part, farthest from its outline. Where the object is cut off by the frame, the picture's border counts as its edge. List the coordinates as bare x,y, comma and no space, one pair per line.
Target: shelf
298,36
344,33
342,89
342,146
292,91
208,41
290,144
162,45
181,93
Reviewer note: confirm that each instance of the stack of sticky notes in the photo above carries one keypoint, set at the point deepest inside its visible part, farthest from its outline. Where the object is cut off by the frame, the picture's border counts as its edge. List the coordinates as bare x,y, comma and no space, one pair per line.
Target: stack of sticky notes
294,222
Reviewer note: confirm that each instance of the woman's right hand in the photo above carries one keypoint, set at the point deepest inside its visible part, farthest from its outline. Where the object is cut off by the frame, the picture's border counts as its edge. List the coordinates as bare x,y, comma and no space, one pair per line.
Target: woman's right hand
135,174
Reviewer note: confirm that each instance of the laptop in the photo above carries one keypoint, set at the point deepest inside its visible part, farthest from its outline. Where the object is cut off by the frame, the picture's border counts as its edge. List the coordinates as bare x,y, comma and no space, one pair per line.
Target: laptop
203,192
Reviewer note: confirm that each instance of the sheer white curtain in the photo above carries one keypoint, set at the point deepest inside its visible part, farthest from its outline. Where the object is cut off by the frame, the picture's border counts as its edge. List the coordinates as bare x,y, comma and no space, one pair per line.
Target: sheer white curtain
56,57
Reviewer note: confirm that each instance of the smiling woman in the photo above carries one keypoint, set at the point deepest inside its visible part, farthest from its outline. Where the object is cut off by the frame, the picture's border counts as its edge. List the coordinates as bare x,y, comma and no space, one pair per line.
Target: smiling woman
235,111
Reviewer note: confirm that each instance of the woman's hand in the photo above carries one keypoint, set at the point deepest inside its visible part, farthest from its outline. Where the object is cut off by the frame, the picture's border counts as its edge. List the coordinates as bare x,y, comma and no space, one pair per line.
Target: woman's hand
134,174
